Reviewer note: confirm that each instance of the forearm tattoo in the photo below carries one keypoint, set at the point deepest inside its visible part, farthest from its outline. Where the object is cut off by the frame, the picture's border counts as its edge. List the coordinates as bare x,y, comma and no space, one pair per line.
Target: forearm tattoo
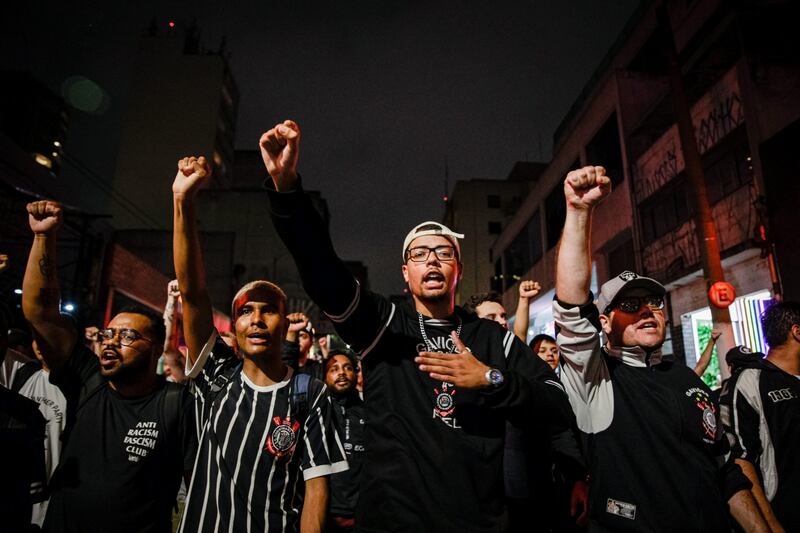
46,266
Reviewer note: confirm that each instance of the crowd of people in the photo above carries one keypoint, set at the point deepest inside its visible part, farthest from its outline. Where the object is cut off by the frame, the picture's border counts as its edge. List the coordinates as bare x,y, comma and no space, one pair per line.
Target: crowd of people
428,417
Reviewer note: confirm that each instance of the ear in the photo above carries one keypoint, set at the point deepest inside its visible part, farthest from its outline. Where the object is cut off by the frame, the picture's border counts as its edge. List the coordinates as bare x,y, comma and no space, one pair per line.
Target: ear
405,272
795,332
605,322
460,270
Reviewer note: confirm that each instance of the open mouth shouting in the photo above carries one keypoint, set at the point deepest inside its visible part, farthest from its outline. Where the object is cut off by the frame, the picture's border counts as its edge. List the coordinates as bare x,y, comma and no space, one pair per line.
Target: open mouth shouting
433,279
259,338
109,358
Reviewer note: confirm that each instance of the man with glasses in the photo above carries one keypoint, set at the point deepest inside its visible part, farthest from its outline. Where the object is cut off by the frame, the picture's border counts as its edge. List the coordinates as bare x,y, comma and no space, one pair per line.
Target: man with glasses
440,382
656,448
130,436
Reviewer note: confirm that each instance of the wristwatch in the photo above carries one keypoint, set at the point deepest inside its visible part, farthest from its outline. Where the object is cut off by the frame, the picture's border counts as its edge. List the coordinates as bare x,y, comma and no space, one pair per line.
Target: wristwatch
494,377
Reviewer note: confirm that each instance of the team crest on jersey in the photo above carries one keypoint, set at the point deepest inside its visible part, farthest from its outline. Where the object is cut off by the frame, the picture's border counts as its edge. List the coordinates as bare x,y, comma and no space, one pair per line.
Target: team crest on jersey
283,437
445,404
709,417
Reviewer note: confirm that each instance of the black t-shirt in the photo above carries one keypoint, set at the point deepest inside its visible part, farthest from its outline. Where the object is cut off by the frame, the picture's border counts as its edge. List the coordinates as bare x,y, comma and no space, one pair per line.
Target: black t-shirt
257,448
122,463
349,411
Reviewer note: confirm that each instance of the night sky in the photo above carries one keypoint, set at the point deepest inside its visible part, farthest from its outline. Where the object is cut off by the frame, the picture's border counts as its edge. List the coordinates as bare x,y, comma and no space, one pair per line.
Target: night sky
384,92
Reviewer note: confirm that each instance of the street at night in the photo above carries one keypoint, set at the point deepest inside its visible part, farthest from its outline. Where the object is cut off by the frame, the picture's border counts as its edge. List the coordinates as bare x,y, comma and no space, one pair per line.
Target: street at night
400,266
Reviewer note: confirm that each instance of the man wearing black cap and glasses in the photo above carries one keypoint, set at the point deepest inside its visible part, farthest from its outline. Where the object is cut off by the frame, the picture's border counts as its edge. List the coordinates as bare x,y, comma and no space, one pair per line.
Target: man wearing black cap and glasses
440,382
655,446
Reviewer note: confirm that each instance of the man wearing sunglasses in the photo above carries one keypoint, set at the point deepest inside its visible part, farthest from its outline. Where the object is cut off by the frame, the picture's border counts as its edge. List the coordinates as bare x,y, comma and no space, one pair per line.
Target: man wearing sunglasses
130,436
440,382
656,448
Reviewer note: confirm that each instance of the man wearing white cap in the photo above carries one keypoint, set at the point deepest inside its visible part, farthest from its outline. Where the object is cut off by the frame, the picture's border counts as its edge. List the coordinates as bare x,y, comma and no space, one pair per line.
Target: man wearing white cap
656,449
440,383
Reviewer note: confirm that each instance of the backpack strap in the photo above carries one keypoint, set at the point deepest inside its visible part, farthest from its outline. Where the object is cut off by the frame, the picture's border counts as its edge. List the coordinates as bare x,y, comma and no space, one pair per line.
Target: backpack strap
220,382
24,373
172,412
300,383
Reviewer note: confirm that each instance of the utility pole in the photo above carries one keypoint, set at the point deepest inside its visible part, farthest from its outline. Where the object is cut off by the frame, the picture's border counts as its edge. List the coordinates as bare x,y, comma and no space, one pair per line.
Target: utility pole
704,219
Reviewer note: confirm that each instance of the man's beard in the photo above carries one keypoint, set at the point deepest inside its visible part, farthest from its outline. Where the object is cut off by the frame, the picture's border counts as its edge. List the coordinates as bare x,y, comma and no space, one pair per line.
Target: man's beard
128,372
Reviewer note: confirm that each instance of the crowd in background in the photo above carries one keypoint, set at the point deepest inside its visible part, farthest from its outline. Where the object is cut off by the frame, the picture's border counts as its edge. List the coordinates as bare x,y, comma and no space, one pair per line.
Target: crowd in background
423,416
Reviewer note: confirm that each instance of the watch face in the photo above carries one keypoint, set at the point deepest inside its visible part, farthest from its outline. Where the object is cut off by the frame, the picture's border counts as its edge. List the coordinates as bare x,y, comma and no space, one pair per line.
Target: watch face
495,377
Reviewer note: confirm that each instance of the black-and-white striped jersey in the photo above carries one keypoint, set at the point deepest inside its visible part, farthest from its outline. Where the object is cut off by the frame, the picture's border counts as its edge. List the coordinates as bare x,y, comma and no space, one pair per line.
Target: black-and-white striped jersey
256,449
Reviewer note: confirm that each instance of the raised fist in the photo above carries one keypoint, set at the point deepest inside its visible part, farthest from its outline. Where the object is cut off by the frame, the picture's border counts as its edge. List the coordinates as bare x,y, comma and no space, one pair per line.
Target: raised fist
90,333
192,173
280,150
586,187
529,289
715,333
3,262
44,216
297,322
172,289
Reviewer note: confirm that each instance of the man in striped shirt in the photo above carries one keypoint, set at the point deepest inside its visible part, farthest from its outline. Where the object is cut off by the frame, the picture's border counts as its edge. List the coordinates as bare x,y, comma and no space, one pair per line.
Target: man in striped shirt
267,443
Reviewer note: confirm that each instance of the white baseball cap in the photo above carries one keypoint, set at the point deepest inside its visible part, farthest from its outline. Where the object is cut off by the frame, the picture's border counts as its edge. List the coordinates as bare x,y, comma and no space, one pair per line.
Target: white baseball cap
432,228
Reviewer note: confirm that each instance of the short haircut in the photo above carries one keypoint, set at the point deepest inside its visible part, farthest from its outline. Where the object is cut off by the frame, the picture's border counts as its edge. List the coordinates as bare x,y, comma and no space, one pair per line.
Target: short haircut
477,299
157,328
350,356
537,341
777,322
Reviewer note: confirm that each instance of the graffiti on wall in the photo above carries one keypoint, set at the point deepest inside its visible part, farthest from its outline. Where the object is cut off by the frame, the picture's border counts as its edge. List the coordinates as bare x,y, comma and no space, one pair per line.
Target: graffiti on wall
677,253
714,116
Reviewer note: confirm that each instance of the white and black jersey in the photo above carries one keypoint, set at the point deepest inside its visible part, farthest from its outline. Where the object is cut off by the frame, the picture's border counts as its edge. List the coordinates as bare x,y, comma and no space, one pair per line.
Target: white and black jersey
258,446
761,409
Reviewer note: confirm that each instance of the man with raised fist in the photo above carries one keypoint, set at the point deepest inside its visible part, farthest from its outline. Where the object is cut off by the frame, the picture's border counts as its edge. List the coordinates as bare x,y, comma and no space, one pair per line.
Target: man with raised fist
440,383
268,440
131,435
656,447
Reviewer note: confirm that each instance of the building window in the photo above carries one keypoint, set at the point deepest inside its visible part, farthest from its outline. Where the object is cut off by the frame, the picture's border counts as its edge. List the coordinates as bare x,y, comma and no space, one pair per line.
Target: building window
621,258
604,150
555,212
495,228
493,201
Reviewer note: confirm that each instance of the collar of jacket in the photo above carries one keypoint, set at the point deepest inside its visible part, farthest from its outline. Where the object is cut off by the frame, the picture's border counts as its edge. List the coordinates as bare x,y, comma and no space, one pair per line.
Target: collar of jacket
635,355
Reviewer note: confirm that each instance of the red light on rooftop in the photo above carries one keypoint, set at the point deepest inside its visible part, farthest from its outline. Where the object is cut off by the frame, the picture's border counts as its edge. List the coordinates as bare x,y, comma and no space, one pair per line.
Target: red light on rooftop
171,24
444,198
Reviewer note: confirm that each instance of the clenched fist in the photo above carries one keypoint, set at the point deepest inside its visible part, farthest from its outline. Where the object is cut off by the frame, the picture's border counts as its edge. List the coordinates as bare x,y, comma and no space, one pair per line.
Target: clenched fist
192,173
173,291
280,149
586,187
529,289
44,216
297,322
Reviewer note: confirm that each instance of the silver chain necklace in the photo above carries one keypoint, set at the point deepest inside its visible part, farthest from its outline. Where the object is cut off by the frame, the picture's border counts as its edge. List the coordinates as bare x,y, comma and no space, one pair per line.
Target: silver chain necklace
428,344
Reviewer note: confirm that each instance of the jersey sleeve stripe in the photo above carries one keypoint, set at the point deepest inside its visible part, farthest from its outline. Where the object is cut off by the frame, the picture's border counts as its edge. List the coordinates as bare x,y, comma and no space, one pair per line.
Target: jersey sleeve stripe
507,342
380,333
350,309
193,370
324,470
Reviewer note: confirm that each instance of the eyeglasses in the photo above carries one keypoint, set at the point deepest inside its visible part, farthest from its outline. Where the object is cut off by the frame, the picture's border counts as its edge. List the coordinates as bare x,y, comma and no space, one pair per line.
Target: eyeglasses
126,336
631,304
420,254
